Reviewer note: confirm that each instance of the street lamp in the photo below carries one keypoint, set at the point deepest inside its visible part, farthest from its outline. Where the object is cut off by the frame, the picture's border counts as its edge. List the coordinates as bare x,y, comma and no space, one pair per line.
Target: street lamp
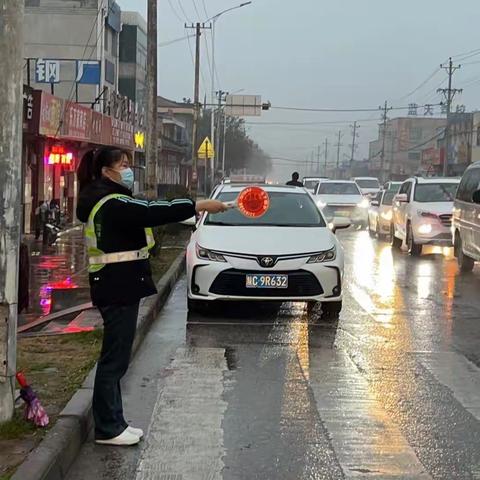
214,21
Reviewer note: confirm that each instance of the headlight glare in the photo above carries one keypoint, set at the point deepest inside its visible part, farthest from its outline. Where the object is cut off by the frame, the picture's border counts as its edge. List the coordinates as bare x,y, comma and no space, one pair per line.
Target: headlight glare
206,254
326,256
364,203
387,215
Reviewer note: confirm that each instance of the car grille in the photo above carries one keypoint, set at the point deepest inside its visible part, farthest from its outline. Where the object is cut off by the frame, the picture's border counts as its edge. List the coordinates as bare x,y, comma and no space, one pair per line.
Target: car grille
232,282
331,211
446,220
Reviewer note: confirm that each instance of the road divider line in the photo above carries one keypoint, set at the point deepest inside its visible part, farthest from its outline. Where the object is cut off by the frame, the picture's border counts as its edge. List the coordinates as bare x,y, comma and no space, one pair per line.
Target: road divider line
185,437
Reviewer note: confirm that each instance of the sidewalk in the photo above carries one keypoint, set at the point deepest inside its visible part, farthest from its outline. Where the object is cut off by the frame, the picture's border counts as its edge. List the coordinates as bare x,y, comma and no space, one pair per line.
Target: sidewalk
58,275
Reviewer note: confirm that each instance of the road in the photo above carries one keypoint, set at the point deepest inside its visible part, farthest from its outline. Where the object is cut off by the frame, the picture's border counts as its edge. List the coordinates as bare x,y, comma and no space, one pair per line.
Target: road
389,391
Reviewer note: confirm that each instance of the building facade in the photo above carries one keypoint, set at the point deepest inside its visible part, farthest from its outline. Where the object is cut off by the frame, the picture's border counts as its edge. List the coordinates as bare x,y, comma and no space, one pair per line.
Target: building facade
72,49
132,83
175,127
405,140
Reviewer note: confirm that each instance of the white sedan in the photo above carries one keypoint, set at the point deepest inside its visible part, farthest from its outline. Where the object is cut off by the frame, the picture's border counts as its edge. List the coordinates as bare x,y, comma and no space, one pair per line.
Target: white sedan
288,254
342,198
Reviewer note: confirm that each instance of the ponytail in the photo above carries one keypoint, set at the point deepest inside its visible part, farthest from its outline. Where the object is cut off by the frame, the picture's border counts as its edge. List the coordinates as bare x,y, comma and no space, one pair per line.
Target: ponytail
93,161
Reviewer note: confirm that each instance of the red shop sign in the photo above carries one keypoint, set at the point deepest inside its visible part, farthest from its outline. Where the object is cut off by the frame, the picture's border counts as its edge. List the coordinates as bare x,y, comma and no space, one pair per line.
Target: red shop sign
50,114
77,121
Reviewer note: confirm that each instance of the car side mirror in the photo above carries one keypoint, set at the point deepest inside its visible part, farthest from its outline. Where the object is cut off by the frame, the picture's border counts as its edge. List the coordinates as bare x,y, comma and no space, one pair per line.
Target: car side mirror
476,196
339,223
375,203
190,222
401,198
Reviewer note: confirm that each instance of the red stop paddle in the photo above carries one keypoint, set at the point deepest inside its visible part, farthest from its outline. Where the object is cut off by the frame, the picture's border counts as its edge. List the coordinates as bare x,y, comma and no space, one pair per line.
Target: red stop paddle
253,202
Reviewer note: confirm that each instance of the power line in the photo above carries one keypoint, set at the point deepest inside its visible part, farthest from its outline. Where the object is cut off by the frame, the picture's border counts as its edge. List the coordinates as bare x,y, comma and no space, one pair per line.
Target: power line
170,42
174,10
342,110
430,77
205,9
183,11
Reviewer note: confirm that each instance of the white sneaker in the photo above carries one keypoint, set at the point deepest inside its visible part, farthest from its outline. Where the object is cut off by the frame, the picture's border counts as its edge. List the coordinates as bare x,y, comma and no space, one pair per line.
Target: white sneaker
136,431
124,439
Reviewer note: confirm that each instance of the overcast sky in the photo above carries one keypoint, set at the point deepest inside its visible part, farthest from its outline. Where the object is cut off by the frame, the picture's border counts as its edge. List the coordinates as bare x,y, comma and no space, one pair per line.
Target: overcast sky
340,54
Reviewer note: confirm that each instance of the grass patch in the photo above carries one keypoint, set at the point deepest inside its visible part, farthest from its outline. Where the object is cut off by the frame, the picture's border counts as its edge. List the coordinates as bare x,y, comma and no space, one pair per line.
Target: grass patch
162,262
15,428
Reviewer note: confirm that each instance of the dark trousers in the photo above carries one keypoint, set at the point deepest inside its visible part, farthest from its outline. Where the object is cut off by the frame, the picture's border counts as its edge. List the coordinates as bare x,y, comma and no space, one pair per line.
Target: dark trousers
120,323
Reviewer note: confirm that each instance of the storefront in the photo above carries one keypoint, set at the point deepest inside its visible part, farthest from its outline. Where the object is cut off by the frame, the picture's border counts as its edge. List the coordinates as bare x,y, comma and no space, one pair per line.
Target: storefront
59,134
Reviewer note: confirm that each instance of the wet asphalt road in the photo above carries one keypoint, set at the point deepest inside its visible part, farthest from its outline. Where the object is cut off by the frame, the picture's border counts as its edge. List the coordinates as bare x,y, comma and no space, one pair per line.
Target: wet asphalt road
389,391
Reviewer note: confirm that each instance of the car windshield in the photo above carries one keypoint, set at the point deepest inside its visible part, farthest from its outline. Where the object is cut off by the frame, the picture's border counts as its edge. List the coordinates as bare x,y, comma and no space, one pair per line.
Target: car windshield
388,197
333,188
435,192
310,184
368,183
286,210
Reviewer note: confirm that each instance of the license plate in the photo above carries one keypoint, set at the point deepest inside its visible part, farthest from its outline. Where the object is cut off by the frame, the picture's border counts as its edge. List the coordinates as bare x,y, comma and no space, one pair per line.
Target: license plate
266,281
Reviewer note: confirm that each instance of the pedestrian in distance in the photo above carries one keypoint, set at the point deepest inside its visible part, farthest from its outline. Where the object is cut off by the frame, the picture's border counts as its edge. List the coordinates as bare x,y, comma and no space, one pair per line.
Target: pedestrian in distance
41,216
119,236
294,181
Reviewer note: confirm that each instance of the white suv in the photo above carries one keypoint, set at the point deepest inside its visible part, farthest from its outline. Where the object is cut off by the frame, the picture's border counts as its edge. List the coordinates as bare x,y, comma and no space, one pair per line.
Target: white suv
422,213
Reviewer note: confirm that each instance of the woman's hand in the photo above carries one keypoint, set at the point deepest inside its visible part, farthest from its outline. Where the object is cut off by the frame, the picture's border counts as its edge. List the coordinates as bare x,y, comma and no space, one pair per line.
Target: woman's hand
210,206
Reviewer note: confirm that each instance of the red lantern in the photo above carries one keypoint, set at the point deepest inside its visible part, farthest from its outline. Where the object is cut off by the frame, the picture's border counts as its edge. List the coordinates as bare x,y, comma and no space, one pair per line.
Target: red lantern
253,202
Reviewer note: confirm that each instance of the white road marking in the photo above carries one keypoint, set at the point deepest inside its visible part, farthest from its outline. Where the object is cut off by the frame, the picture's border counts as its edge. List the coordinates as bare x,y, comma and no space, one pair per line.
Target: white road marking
185,438
457,373
368,444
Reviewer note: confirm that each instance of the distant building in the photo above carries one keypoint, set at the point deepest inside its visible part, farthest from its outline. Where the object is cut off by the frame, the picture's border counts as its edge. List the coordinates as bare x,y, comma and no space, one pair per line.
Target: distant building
132,82
72,48
405,140
461,141
476,137
175,127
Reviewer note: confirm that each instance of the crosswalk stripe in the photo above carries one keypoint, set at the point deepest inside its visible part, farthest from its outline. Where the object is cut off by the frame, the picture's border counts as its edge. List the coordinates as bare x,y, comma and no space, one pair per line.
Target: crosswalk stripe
457,373
185,438
368,444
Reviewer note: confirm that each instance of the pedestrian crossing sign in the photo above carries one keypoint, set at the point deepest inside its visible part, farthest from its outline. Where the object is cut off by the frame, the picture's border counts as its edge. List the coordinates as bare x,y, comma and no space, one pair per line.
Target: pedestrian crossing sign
206,149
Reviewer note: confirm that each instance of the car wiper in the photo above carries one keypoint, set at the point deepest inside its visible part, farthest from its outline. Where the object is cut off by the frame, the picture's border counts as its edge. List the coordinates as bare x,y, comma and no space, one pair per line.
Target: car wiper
224,224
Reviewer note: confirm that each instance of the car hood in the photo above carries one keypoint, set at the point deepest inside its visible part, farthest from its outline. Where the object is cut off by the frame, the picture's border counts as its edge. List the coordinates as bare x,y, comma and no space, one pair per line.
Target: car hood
339,199
265,240
440,208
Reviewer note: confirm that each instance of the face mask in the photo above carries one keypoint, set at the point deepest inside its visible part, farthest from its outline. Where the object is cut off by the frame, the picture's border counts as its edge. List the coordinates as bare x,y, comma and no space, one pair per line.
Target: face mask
127,178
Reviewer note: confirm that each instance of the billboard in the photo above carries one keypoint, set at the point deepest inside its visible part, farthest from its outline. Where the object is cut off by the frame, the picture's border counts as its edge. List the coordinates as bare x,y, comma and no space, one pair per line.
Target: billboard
243,105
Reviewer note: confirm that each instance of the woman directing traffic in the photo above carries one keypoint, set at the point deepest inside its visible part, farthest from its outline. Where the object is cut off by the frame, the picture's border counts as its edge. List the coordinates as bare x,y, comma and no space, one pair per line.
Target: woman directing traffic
119,238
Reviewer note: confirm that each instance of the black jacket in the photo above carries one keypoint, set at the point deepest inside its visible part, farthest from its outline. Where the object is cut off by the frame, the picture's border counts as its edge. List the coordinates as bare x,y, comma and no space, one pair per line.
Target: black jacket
123,223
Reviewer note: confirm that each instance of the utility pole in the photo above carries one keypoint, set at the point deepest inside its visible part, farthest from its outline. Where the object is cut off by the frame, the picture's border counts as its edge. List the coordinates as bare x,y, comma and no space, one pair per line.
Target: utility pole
355,127
326,157
152,114
385,110
198,27
338,153
449,94
11,84
318,160
216,136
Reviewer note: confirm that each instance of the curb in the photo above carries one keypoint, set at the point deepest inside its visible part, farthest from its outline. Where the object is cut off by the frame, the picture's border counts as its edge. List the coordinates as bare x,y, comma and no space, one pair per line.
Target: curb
55,454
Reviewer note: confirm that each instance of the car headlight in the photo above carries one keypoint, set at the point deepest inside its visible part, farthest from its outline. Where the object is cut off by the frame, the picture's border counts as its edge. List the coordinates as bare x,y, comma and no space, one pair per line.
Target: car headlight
206,254
427,214
364,203
321,204
425,228
387,215
326,256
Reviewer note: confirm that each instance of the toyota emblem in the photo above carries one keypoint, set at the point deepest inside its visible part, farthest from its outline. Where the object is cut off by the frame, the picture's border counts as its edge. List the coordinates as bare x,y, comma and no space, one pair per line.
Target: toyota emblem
267,262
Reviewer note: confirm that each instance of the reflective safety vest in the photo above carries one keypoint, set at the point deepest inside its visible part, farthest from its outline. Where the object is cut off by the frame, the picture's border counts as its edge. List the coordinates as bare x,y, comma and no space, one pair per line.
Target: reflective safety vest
97,259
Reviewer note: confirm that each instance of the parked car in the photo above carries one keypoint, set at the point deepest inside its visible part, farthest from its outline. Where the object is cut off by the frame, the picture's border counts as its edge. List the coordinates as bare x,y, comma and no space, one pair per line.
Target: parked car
380,214
466,219
288,254
342,198
395,186
368,185
422,213
310,183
